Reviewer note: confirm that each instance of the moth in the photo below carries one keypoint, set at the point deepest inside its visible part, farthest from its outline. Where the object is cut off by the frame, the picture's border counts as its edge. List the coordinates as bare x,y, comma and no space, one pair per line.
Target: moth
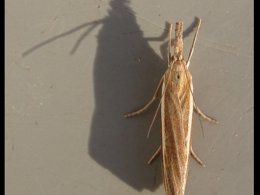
177,105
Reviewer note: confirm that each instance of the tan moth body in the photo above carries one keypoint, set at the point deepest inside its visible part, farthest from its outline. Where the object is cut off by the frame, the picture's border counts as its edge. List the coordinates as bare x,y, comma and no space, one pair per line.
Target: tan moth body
177,105
176,117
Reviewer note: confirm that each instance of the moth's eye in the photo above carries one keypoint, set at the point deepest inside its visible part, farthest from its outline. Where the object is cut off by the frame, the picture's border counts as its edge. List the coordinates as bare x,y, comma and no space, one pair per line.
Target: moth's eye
178,76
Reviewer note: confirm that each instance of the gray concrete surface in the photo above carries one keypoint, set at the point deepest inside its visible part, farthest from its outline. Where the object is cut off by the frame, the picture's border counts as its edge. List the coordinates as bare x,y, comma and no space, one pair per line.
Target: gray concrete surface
74,67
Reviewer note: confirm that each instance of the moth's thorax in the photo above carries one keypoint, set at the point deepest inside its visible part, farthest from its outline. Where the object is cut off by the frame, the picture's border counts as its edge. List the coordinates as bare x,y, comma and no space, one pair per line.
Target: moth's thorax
180,75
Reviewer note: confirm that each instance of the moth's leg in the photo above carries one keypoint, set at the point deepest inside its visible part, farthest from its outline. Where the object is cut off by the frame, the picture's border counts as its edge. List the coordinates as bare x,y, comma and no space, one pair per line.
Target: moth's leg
199,112
155,155
170,45
195,156
148,104
193,42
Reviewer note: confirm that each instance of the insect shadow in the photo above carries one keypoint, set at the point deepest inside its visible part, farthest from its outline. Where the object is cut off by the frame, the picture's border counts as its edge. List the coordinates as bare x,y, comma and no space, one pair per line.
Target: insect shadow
126,73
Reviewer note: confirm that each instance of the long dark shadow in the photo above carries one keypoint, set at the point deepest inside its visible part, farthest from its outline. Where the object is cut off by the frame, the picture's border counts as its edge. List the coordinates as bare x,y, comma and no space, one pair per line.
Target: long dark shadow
126,73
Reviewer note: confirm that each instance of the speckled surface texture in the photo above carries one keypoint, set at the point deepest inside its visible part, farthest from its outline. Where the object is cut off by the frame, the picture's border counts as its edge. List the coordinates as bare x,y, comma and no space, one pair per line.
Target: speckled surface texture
73,68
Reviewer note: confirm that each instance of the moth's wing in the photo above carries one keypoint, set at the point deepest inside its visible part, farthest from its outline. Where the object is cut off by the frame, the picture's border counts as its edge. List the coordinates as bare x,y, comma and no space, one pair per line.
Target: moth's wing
176,113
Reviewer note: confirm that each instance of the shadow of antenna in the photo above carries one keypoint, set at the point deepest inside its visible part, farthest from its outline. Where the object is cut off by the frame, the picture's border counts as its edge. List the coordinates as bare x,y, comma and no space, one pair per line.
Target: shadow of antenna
43,43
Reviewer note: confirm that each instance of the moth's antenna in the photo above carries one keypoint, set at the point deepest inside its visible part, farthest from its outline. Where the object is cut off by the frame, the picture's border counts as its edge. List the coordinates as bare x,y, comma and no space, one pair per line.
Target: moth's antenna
169,65
193,43
190,54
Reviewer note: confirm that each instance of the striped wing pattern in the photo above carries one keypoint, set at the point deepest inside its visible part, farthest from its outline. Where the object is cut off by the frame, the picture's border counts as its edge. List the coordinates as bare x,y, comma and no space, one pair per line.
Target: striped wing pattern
176,113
